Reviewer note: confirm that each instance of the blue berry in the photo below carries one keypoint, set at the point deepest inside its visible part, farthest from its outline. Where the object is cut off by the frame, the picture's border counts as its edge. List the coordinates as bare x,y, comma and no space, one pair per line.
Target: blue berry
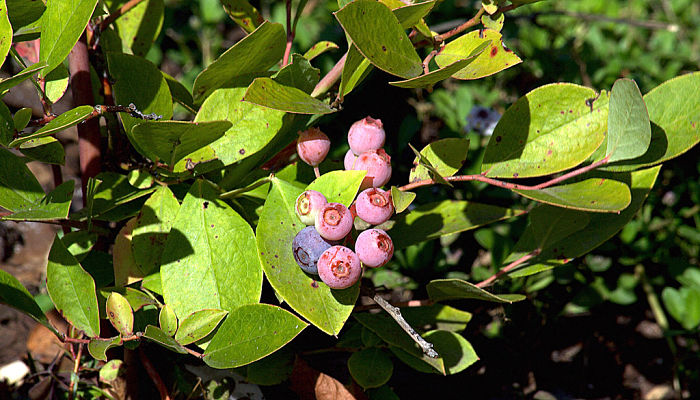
307,247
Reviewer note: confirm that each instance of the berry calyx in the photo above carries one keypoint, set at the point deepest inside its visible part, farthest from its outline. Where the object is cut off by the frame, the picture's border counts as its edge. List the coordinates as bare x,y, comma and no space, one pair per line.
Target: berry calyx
333,221
377,163
307,248
339,267
374,206
308,204
366,134
313,146
374,247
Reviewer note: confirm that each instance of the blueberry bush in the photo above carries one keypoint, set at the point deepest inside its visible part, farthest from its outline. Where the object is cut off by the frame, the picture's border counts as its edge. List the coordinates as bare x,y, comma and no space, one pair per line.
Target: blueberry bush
190,231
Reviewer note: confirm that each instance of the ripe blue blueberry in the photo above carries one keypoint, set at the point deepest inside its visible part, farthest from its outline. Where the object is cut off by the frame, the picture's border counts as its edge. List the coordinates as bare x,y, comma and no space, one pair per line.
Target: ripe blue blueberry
307,248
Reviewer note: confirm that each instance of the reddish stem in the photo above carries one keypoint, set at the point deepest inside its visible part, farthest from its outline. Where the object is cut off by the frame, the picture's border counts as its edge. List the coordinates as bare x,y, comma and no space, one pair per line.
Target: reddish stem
475,20
118,13
88,131
330,78
290,34
153,373
507,268
426,62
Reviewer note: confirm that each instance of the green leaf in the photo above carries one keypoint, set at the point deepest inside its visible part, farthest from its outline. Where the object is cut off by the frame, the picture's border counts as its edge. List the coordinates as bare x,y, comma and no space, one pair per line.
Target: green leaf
298,74
54,205
433,77
446,156
600,228
61,26
378,35
113,190
152,227
159,336
595,195
19,189
355,70
167,320
549,130
136,298
198,325
320,48
254,127
126,271
450,289
120,314
147,89
495,58
62,122
371,367
387,329
684,305
242,13
140,179
437,316
433,220
23,12
72,290
325,308
401,199
422,161
494,22
268,93
338,186
45,149
249,333
551,224
21,118
15,295
79,243
180,93
139,27
7,124
255,53
629,130
209,259
171,141
5,32
56,83
411,14
8,83
98,347
457,353
674,111
273,369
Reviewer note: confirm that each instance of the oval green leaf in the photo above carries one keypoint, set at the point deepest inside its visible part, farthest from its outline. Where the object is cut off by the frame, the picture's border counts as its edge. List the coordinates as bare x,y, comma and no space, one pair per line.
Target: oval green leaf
126,271
255,53
433,220
320,48
629,130
54,205
8,83
98,347
495,58
140,26
249,333
61,26
411,14
152,226
5,32
72,290
22,118
45,149
157,335
549,130
242,13
325,308
209,259
19,189
595,195
379,36
355,70
371,367
268,93
450,289
457,353
198,325
15,295
401,199
120,314
338,186
56,83
168,321
446,156
64,121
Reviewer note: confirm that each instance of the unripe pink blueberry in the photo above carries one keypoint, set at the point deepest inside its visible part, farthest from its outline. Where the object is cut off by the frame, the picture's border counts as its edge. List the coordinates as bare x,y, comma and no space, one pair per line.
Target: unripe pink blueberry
378,166
349,160
374,205
308,205
374,247
366,134
333,221
313,146
339,267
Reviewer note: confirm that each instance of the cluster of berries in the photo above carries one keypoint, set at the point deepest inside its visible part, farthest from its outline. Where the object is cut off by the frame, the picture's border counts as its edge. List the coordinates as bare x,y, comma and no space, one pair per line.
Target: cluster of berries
318,248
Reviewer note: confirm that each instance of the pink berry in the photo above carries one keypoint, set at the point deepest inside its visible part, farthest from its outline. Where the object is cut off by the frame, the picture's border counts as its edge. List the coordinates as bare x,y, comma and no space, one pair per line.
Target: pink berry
313,146
333,221
374,247
366,134
339,267
308,205
378,166
349,160
374,206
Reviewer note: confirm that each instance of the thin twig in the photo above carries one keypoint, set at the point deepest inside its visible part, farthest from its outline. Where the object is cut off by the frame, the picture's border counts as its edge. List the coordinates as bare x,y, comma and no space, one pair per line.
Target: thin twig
507,185
290,34
330,78
507,268
475,20
426,62
395,313
118,13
